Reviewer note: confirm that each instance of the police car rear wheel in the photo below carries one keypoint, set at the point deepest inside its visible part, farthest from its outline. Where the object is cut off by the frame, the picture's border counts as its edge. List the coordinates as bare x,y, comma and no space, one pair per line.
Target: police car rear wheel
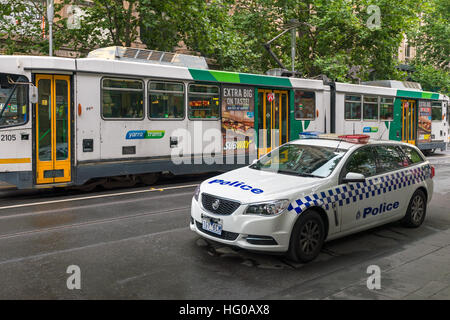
307,237
415,215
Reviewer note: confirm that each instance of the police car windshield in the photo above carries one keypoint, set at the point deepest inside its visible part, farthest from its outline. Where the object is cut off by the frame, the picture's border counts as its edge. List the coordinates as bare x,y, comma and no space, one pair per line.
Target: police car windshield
301,160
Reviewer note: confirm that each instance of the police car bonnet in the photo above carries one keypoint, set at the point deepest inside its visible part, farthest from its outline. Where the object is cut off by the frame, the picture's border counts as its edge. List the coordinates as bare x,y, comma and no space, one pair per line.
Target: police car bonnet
249,185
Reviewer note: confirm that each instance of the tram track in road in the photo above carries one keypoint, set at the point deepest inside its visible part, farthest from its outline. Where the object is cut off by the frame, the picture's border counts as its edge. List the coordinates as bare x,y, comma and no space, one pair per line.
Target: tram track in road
55,215
90,223
100,196
85,206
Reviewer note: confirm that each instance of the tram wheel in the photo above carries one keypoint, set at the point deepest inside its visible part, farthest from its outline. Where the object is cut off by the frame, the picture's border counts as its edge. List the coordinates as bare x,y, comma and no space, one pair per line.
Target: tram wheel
90,185
149,178
119,182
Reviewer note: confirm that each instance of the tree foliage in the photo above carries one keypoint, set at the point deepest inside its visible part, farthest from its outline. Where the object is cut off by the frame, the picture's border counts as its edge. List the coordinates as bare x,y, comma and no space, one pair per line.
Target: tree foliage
334,38
432,78
432,37
21,27
432,42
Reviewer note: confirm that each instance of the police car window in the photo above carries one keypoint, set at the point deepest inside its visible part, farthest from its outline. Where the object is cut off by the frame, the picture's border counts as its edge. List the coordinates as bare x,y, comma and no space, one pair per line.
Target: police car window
389,158
412,155
362,161
301,160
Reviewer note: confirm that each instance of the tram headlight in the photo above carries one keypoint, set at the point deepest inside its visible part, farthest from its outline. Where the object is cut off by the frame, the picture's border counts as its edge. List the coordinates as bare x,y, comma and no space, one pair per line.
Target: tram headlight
197,193
270,208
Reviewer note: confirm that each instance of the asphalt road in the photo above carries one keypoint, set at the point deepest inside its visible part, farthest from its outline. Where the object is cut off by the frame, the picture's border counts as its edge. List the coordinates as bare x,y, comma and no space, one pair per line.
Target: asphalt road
135,243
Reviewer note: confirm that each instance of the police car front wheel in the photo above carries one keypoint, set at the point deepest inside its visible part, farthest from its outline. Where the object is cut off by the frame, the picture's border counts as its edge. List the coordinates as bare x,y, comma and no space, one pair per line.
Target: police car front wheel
307,237
415,215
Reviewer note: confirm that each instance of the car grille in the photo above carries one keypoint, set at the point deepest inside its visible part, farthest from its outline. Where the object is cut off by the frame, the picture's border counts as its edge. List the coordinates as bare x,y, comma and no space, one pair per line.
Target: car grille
226,207
226,235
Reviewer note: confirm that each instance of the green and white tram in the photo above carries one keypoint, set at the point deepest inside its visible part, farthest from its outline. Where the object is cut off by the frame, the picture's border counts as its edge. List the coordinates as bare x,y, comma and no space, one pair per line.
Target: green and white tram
126,114
393,110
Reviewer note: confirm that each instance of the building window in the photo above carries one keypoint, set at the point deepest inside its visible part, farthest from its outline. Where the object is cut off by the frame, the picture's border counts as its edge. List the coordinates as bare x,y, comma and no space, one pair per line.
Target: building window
352,107
436,111
166,100
370,108
305,105
204,101
407,51
386,109
122,99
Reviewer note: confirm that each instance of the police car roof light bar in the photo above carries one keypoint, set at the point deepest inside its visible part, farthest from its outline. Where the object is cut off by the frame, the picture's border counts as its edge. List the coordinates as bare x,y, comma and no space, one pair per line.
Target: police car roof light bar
355,138
309,135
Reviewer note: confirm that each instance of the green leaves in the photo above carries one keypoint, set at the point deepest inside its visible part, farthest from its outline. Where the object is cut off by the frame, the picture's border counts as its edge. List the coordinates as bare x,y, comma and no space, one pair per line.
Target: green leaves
432,38
335,37
432,78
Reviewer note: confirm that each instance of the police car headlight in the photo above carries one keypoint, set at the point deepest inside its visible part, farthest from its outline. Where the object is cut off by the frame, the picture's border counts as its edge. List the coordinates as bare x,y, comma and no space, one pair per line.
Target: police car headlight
197,193
270,208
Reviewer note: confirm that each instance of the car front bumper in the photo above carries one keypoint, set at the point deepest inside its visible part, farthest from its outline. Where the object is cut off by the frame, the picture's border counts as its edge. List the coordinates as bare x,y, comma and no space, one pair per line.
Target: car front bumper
252,232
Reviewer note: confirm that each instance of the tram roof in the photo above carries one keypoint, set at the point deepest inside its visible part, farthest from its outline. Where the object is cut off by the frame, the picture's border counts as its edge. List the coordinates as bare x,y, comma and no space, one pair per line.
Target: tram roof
36,64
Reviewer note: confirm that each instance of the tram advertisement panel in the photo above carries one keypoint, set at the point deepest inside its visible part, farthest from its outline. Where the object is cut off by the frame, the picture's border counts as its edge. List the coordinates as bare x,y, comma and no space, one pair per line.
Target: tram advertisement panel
424,122
238,118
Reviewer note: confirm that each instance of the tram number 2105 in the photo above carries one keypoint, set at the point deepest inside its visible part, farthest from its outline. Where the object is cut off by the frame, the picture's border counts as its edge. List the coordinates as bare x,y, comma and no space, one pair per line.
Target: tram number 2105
7,137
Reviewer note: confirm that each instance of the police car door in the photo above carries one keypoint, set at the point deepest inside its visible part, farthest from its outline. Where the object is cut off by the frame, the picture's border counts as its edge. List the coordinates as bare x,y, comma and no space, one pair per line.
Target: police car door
360,202
392,165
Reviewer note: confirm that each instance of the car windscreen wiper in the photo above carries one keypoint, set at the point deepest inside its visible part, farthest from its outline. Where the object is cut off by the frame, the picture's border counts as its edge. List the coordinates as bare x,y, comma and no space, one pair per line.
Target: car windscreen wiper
255,166
308,175
293,173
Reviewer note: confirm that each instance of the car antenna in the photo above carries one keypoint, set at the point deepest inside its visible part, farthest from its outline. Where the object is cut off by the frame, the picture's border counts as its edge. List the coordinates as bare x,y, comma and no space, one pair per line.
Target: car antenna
337,147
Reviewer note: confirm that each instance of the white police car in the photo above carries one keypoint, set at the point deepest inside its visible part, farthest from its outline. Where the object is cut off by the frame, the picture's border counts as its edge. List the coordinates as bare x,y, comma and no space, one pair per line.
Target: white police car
309,191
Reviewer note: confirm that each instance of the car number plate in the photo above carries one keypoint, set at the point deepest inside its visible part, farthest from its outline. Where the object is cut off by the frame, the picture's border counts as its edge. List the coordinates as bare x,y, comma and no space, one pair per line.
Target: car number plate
212,226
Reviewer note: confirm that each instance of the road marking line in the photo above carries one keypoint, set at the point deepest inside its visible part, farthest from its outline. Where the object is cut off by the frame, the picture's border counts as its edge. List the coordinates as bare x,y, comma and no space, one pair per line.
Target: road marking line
89,246
95,197
82,206
88,223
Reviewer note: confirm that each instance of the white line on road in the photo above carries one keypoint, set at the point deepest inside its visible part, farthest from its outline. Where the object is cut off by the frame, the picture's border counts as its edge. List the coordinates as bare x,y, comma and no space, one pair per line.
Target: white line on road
96,197
47,254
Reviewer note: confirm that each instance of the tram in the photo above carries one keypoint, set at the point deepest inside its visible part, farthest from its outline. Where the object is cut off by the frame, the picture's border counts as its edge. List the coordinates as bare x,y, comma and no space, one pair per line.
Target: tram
126,115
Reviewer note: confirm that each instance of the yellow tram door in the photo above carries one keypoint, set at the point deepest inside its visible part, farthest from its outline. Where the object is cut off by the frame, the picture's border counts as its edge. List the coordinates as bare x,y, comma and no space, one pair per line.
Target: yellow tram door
273,116
409,121
53,149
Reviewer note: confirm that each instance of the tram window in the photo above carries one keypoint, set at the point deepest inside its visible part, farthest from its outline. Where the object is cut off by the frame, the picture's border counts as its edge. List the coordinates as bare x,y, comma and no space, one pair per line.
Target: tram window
204,101
13,100
166,100
370,108
352,107
305,105
436,111
386,108
122,99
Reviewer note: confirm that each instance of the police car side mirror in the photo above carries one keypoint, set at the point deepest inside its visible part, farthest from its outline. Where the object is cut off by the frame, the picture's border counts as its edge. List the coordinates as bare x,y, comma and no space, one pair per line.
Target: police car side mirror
254,161
354,177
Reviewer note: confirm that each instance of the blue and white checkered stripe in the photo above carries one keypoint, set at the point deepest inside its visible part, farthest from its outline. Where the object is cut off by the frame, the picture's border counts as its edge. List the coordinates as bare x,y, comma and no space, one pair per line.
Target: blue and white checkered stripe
345,194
